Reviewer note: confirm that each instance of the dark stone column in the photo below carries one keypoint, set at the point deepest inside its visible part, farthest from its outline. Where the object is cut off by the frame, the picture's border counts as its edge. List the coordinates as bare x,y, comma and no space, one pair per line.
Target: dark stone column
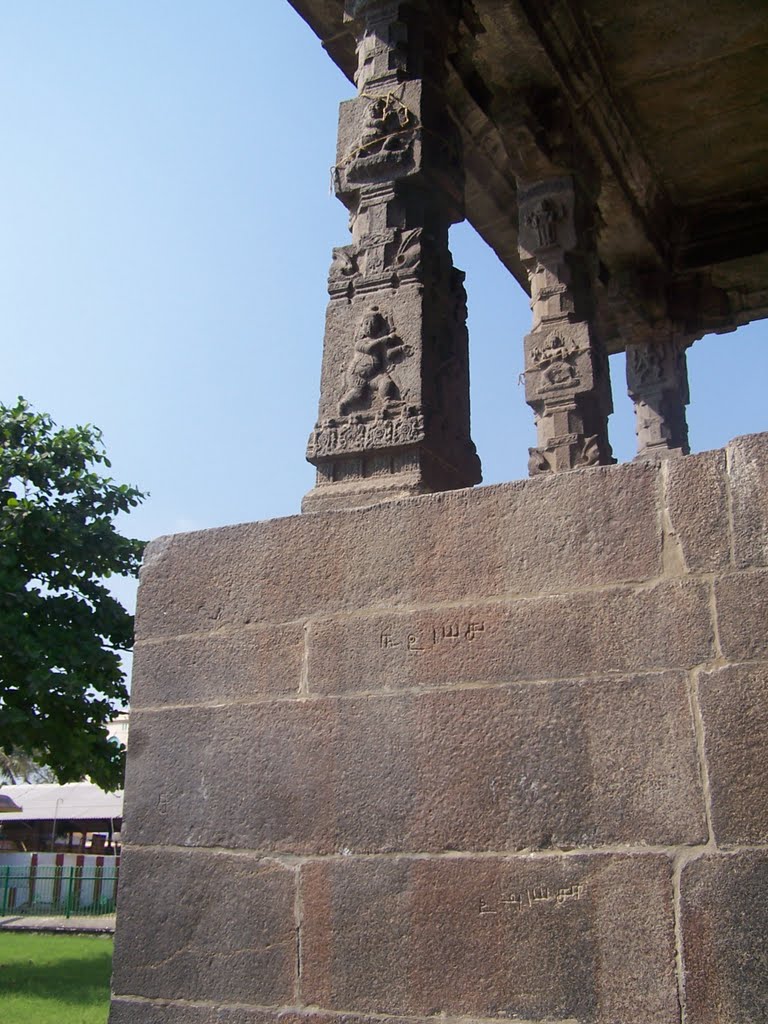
567,381
657,381
394,402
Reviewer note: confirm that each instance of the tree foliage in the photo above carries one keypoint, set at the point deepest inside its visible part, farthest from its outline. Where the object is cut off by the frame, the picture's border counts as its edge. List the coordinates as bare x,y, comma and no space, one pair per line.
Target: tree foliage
19,768
61,631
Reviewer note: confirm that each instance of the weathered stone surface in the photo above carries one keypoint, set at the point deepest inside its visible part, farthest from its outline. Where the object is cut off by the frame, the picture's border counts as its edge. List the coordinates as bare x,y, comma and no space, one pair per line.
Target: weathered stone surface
748,479
742,615
435,548
734,706
586,938
207,926
128,1011
220,667
725,923
696,500
134,1011
184,794
542,765
665,626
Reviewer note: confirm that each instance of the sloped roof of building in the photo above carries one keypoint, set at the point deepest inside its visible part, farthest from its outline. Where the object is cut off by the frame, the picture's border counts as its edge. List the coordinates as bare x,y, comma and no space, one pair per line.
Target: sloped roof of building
74,801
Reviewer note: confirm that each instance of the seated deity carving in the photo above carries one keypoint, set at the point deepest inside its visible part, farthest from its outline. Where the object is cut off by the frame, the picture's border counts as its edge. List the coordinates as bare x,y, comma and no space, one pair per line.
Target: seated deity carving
554,350
385,141
377,350
387,119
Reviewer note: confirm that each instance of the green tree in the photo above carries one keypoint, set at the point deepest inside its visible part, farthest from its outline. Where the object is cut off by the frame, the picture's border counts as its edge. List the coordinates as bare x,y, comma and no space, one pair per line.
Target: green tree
61,631
19,768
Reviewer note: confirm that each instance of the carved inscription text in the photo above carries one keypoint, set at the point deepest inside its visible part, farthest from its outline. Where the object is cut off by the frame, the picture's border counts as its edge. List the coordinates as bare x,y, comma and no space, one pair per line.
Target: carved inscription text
535,897
425,639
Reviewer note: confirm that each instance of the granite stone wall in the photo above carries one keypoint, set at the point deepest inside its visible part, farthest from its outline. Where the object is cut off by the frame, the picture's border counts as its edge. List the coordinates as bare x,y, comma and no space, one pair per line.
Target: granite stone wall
495,753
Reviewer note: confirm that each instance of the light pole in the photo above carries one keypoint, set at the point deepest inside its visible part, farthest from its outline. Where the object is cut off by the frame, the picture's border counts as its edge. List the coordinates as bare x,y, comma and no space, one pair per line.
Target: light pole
59,800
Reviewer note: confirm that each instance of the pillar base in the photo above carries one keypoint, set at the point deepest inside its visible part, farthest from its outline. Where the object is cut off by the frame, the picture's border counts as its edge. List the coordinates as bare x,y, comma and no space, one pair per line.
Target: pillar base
657,454
333,498
368,478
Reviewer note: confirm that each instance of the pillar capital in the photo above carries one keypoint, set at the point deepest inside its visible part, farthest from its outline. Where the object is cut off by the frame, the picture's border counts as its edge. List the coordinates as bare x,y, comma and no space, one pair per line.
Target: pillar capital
400,39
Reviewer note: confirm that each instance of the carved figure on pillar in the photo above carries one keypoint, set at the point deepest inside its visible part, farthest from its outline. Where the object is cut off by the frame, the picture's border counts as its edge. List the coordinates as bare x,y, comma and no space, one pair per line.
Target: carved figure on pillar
567,380
394,396
377,350
657,382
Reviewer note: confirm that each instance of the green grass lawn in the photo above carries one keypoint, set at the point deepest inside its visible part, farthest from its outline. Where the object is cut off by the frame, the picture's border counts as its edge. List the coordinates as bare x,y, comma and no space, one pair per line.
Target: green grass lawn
54,979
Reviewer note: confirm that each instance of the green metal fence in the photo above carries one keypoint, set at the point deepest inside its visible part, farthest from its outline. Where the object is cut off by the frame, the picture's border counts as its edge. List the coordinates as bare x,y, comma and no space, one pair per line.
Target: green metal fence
57,891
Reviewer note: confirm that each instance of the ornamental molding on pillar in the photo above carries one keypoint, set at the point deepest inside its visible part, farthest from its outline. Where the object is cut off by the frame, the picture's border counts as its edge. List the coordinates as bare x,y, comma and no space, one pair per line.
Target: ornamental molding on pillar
390,259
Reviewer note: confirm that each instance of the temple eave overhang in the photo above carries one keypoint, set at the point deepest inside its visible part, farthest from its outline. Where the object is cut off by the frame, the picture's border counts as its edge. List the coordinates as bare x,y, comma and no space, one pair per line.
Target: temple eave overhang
663,126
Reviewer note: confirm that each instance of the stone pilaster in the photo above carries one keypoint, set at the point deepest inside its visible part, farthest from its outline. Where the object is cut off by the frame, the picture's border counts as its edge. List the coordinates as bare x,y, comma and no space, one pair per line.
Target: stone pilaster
657,382
394,403
567,381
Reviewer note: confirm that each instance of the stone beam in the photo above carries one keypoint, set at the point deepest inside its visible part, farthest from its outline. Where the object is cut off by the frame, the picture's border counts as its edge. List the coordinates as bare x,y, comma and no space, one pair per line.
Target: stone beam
735,232
573,55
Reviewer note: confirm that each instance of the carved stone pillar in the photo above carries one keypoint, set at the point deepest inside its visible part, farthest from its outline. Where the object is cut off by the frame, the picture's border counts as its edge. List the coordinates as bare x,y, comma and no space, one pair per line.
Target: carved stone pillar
567,381
394,401
657,381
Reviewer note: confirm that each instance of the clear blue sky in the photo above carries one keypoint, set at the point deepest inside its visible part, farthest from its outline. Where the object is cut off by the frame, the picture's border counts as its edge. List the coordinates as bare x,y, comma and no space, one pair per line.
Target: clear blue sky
165,232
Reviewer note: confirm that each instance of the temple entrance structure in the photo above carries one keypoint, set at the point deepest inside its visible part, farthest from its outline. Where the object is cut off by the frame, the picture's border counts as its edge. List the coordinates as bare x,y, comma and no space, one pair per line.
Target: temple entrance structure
612,158
499,752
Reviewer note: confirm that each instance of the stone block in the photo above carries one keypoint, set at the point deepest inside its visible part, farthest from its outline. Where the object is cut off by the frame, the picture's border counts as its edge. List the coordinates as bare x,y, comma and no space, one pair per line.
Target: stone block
252,777
748,481
618,630
134,1011
587,938
734,707
131,1011
218,668
540,765
742,615
197,925
724,925
696,501
438,547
